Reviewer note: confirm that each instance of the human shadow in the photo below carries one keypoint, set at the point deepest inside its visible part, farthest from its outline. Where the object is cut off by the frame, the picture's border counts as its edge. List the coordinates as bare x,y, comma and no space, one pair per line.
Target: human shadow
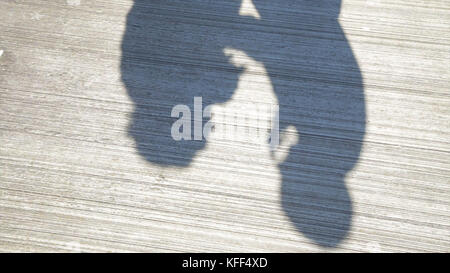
173,51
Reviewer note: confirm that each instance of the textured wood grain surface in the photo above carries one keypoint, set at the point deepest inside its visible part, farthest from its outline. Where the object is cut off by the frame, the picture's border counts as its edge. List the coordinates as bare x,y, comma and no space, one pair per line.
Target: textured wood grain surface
86,88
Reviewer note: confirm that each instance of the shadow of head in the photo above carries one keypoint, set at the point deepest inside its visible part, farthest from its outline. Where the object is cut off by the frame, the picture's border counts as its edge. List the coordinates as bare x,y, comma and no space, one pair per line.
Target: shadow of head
174,52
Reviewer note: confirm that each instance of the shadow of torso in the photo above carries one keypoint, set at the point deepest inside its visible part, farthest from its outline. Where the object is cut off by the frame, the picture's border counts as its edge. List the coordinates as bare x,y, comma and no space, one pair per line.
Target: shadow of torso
174,51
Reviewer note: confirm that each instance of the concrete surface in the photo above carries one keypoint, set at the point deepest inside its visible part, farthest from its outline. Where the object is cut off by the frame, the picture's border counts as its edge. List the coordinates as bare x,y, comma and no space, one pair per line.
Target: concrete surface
87,162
